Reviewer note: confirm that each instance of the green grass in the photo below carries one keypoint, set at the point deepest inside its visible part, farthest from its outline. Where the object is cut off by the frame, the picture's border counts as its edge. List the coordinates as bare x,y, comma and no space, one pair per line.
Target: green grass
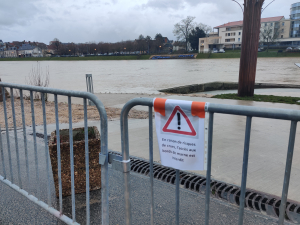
237,54
261,98
123,57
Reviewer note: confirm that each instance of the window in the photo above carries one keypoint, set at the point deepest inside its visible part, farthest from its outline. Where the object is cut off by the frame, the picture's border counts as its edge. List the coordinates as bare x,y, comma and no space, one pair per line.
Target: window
228,29
282,30
239,33
228,34
202,41
281,36
282,23
227,40
265,24
239,40
271,24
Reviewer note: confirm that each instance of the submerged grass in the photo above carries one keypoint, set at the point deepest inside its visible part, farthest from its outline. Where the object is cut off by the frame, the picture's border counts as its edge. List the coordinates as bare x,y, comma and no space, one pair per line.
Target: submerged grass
261,98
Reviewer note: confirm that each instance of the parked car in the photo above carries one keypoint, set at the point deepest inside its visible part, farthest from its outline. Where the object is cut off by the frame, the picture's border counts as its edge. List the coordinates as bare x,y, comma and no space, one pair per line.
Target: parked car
221,50
215,51
259,49
289,48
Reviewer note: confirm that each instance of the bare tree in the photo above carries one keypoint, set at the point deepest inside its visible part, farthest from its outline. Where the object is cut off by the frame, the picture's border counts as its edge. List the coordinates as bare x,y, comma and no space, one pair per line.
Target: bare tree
207,29
183,29
37,77
269,34
56,43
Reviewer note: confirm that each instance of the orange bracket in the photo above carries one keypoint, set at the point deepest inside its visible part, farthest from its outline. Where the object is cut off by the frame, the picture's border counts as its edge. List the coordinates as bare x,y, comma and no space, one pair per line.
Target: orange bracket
159,106
198,109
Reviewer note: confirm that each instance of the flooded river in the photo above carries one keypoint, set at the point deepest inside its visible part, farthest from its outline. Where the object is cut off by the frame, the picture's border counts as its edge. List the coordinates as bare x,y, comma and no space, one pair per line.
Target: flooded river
148,76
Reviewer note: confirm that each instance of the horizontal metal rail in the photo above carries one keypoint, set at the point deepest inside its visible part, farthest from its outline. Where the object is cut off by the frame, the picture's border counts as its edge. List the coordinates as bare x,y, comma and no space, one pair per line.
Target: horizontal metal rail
19,186
212,108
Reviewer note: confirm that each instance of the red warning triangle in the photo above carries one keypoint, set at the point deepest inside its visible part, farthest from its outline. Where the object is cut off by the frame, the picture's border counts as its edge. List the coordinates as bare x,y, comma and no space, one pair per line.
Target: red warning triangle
192,131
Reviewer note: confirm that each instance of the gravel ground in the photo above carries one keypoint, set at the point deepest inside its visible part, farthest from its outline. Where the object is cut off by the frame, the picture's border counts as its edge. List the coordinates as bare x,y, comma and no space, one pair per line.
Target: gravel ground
77,113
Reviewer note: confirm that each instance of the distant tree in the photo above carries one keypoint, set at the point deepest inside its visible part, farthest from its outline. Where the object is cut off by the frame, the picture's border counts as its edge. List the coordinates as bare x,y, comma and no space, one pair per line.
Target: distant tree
149,42
207,29
141,37
56,43
71,49
183,29
269,35
159,38
194,37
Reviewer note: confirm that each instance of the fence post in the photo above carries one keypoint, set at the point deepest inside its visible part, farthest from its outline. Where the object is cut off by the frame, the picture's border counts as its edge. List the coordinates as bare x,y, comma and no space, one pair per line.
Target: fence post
89,85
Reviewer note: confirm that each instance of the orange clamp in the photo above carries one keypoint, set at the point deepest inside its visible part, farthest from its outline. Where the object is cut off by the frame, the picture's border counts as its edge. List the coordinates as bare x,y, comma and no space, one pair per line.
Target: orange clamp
159,106
198,109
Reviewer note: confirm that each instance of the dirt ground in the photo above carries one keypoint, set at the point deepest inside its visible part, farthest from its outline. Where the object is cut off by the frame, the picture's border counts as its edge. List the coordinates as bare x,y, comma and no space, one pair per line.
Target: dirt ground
77,113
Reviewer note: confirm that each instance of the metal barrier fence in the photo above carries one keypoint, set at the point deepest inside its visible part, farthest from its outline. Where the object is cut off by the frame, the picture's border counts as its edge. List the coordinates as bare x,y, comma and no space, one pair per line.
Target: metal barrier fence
249,112
104,139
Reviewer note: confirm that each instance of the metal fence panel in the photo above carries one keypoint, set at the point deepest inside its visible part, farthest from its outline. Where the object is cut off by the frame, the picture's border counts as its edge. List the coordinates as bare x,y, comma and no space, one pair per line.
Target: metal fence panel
19,186
249,112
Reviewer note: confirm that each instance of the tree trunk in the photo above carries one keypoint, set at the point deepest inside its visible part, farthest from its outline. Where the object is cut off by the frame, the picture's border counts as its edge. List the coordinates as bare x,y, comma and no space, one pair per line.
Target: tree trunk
250,42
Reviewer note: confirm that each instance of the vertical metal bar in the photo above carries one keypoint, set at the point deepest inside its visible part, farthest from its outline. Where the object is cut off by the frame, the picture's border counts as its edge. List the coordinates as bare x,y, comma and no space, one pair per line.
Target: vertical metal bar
16,136
125,154
2,155
177,195
25,136
71,158
245,169
87,174
46,148
151,165
287,174
7,136
208,172
104,168
34,145
58,153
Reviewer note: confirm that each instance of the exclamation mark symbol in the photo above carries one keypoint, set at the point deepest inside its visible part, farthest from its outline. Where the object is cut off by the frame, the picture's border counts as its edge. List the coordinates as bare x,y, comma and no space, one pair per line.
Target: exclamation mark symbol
178,119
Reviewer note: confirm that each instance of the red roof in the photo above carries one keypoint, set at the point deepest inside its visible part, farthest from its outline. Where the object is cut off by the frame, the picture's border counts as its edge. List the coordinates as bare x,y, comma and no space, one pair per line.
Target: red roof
240,23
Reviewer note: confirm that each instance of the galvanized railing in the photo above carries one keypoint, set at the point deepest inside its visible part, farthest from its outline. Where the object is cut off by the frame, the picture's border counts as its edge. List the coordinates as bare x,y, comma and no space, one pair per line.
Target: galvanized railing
249,112
10,181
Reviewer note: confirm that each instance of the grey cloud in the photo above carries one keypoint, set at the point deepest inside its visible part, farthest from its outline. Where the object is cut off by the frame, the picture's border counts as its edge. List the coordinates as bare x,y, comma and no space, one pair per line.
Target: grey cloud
14,12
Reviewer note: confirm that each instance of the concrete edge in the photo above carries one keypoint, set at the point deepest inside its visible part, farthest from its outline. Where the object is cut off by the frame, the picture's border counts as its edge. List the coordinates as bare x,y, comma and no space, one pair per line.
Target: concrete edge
218,85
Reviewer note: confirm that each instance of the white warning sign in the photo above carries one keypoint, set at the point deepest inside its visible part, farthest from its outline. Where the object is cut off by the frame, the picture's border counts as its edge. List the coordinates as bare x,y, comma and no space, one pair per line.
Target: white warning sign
180,129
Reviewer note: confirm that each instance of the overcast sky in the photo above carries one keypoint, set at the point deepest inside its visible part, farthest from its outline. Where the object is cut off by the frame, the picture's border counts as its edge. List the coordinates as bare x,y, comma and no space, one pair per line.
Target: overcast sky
114,20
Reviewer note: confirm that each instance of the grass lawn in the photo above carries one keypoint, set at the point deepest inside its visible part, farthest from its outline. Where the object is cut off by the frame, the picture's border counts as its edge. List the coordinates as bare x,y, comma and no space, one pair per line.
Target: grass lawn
119,57
261,98
237,54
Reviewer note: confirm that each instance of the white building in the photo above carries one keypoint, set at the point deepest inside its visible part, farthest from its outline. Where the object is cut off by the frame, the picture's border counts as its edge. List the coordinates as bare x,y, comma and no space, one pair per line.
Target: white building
230,35
27,50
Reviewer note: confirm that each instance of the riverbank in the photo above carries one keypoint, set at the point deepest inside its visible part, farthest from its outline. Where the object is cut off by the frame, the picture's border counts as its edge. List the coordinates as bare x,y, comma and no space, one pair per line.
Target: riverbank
228,54
76,58
237,54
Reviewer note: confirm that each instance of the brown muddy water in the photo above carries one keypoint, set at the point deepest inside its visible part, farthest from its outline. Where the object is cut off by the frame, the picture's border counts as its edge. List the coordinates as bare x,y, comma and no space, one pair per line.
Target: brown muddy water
148,76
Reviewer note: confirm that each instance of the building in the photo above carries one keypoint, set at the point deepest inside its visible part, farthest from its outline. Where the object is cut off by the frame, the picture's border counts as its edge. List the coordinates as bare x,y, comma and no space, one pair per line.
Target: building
27,50
229,35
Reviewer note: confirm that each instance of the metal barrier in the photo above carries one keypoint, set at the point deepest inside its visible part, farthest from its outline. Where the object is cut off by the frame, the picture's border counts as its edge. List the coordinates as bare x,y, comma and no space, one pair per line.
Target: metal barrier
104,139
249,112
